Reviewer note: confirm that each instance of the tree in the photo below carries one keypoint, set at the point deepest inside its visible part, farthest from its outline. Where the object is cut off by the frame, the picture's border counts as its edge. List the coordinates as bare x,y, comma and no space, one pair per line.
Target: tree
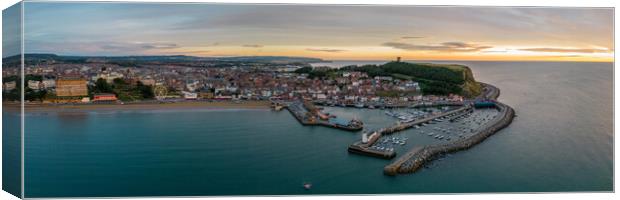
304,70
102,86
118,81
145,90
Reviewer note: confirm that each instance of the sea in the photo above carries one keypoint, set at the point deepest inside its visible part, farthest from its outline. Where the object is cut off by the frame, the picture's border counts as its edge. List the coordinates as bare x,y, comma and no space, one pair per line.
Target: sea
560,141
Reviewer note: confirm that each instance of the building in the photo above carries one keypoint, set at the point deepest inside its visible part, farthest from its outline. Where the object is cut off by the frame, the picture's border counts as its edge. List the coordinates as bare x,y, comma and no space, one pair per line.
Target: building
8,86
206,95
104,97
148,81
190,95
71,87
383,78
49,83
34,85
193,86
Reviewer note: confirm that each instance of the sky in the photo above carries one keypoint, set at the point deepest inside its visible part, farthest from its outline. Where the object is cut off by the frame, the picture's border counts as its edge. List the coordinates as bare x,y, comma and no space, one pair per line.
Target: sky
334,32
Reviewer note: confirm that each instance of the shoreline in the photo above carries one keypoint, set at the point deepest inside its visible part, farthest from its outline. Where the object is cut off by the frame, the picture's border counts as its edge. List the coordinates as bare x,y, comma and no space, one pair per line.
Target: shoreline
41,107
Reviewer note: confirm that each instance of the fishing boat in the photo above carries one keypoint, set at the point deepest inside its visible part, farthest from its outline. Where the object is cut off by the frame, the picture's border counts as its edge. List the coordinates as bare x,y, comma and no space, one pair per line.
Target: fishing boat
359,105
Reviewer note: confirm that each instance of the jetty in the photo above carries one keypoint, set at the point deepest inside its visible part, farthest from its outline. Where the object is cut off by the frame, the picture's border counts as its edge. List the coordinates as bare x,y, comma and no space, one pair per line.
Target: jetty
416,158
309,115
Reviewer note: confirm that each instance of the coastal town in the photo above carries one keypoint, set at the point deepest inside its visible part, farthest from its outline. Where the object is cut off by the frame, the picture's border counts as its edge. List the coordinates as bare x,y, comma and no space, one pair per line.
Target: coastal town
99,83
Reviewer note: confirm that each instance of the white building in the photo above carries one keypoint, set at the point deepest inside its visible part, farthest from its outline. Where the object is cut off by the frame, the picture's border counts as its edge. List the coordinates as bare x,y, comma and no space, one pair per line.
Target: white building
192,86
265,93
8,86
109,77
49,83
384,78
35,85
190,95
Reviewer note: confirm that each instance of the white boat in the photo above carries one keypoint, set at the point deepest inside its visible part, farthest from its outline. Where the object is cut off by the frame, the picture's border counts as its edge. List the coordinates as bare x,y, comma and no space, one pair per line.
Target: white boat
307,186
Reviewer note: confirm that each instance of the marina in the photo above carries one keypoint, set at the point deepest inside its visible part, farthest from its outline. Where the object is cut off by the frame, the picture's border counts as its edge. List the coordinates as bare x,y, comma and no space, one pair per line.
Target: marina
481,125
366,145
417,157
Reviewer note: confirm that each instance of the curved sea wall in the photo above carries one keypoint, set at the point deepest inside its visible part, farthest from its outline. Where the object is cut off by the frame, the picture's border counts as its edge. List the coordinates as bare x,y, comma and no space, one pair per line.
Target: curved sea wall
417,157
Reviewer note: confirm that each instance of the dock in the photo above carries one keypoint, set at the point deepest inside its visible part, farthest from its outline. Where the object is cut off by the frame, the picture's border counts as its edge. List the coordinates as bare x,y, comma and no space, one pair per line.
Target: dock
307,115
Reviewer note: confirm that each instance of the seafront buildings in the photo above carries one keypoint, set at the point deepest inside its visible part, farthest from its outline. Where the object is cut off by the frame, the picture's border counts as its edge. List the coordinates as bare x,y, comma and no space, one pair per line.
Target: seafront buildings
72,82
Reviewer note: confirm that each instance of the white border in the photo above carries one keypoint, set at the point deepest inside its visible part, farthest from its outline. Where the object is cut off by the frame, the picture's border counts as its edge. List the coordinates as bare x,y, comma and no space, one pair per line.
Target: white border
562,3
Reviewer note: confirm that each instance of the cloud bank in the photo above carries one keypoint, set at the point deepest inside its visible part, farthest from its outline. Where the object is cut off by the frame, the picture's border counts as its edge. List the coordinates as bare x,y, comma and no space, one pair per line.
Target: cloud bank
442,47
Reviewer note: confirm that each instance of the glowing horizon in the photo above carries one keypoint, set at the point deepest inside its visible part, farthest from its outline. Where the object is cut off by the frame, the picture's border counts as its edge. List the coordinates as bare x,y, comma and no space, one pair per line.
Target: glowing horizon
330,32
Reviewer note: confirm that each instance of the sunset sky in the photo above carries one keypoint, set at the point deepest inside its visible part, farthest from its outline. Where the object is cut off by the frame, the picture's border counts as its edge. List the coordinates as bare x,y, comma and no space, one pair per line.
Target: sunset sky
333,32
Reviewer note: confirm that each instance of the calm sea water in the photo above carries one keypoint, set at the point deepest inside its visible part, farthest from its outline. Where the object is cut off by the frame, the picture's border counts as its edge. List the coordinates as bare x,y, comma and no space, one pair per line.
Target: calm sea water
562,140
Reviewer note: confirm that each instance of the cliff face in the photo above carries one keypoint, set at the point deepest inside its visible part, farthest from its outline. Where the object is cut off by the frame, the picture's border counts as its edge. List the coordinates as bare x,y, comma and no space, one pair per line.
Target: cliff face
471,87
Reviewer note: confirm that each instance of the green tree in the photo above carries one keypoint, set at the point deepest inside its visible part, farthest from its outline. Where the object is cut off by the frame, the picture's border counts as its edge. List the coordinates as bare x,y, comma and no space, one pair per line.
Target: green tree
102,86
145,90
304,70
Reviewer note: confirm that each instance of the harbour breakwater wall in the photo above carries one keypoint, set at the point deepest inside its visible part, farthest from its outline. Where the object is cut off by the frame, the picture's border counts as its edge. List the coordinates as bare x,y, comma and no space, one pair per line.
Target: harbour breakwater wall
417,157
392,106
490,92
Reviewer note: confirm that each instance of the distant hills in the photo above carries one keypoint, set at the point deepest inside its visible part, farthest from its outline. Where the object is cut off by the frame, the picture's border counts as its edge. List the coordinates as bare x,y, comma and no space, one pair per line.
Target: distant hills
177,59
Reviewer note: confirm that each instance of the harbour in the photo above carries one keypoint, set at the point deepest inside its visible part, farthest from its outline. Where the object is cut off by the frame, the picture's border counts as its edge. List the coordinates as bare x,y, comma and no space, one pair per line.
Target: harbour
417,157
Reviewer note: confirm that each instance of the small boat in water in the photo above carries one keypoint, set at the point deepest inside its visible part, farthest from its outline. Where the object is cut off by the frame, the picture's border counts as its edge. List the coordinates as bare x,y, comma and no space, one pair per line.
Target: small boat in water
307,186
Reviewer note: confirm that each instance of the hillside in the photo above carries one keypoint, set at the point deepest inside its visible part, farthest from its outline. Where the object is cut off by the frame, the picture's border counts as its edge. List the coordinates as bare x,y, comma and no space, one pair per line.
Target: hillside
440,79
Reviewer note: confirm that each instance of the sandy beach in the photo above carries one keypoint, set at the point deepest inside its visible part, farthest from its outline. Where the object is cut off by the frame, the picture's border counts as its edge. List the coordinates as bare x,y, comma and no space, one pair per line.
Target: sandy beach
40,107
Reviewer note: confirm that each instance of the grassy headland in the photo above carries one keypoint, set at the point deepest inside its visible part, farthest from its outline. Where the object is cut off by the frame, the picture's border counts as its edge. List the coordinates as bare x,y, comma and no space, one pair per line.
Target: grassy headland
436,79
